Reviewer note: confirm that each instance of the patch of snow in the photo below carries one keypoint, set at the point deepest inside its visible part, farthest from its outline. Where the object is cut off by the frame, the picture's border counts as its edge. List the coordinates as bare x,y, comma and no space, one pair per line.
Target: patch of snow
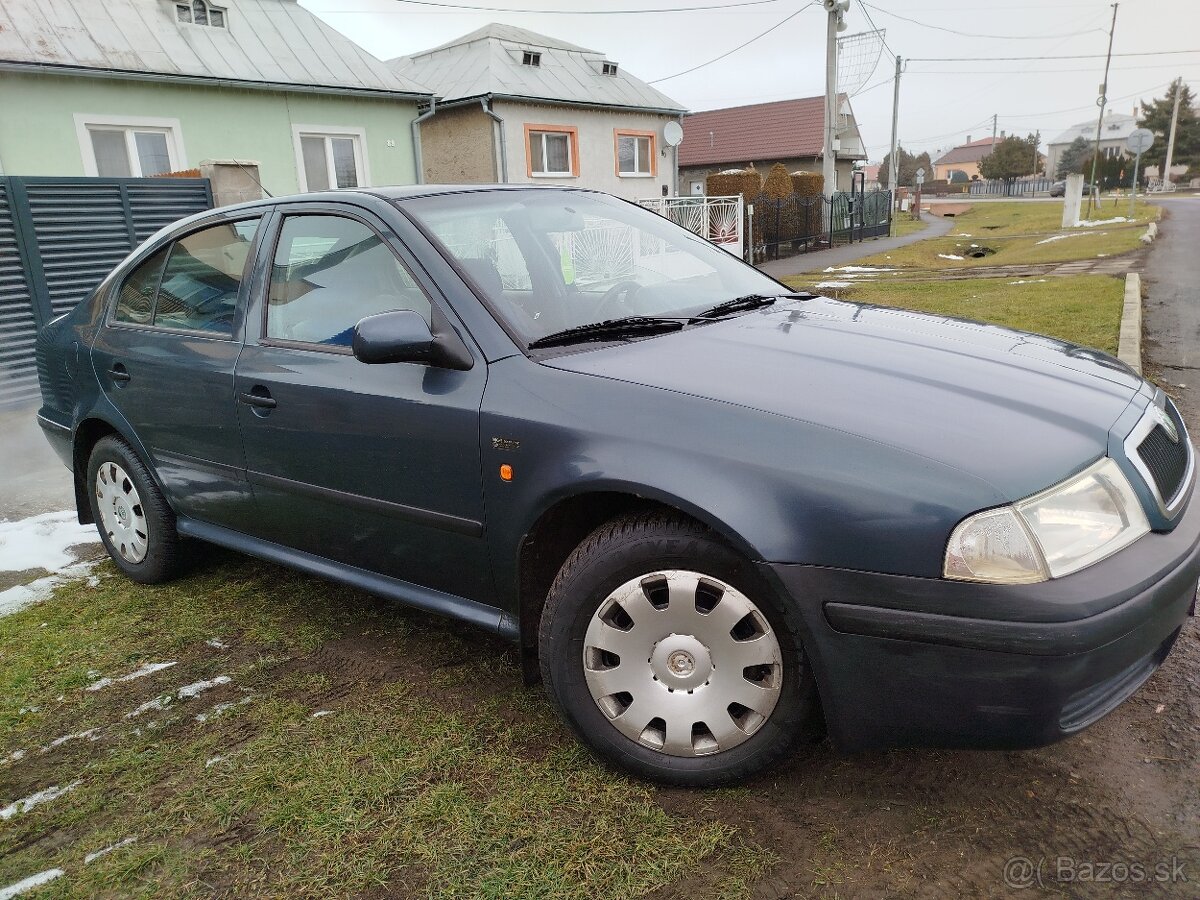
321,713
964,234
156,704
15,756
41,542
1101,255
820,285
93,581
216,644
147,669
1092,223
209,763
89,735
199,687
25,804
949,256
31,709
92,857
1061,237
220,708
1029,281
28,884
857,269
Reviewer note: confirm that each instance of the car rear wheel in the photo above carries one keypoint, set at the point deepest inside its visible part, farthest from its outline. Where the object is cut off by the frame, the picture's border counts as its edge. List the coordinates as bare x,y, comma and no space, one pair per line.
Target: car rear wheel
135,522
671,657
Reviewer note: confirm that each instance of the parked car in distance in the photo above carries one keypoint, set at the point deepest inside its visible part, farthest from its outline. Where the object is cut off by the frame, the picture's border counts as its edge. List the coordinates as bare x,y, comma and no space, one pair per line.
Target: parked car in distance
711,511
1058,189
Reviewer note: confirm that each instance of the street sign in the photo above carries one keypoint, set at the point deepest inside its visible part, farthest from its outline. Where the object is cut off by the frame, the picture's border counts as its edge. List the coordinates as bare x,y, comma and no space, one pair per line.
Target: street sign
921,175
1140,141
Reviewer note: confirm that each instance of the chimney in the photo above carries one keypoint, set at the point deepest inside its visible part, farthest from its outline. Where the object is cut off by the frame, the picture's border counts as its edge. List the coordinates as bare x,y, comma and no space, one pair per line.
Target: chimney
1002,134
968,139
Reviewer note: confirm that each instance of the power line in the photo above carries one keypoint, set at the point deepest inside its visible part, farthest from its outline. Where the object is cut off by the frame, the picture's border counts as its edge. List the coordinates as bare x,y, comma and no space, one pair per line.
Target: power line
763,34
882,36
1027,58
994,37
1024,71
576,12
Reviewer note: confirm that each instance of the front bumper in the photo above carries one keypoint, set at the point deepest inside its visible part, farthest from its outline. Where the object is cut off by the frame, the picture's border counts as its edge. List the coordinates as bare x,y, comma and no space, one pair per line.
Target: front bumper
904,662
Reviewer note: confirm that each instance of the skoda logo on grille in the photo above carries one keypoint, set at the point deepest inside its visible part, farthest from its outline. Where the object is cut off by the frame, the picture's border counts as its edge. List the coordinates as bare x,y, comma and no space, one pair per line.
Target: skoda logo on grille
1168,424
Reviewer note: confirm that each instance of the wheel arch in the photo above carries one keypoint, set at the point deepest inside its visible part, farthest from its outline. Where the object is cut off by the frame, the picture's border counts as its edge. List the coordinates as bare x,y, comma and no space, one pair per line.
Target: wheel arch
562,524
88,432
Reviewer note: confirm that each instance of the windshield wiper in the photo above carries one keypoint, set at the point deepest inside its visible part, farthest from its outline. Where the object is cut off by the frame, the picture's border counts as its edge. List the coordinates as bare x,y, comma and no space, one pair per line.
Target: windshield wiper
609,329
748,302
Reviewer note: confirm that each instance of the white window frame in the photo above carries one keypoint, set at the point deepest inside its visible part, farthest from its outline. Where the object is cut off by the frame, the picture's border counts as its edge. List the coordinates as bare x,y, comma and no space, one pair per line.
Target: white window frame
651,149
87,122
361,162
541,131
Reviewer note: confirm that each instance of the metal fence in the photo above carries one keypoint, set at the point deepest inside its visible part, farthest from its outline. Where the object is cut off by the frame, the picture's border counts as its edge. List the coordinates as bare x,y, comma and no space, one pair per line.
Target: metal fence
1021,187
795,224
717,219
59,237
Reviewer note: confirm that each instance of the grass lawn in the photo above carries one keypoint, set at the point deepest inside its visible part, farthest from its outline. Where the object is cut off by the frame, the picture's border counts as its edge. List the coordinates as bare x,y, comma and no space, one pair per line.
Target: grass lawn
1021,233
1083,309
903,224
330,744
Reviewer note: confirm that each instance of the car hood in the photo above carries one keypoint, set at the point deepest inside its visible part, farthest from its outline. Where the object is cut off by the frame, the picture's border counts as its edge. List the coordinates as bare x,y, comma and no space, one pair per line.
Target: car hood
1016,410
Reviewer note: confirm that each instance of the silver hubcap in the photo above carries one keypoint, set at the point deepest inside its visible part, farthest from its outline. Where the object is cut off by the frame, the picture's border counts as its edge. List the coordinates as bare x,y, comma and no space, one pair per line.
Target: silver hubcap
682,663
121,513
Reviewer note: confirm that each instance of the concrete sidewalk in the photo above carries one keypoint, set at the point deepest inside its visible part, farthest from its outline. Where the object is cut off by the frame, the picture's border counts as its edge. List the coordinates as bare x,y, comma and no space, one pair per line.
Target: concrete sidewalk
840,256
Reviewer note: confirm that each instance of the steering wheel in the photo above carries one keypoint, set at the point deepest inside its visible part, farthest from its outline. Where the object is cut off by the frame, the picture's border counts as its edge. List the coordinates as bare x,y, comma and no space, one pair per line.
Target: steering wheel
621,291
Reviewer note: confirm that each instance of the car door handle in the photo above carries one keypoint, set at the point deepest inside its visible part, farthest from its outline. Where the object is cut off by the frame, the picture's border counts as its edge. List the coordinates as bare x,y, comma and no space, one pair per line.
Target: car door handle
119,373
262,401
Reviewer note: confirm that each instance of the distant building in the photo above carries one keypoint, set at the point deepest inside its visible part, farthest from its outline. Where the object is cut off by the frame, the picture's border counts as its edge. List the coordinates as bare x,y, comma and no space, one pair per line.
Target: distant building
1116,129
144,87
964,158
516,106
763,134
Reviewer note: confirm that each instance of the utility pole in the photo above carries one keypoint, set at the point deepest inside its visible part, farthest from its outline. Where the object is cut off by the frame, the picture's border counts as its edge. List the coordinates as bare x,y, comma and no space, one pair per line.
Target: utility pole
893,161
836,22
1102,102
1037,157
1166,172
995,119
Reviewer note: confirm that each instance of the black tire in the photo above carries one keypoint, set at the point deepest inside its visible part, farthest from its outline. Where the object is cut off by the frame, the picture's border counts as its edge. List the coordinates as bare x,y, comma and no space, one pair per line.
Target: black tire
162,556
628,548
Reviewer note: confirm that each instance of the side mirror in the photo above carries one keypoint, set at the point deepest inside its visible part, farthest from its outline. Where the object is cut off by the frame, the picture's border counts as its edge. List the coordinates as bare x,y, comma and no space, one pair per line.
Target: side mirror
404,336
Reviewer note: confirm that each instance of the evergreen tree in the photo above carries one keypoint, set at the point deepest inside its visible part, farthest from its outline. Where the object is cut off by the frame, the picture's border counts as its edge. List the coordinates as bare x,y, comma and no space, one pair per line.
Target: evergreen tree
1011,158
1076,158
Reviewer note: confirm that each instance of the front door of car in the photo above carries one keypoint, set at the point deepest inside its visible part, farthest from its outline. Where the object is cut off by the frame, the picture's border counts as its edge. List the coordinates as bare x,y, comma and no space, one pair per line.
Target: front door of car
165,358
377,466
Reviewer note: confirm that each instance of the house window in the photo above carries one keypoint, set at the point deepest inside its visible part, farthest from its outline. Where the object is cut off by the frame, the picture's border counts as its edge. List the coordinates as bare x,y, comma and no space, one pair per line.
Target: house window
635,154
609,68
130,148
529,58
553,150
200,13
331,158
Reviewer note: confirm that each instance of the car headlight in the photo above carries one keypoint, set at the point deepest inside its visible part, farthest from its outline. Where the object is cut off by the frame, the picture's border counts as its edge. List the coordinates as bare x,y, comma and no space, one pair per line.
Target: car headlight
1053,533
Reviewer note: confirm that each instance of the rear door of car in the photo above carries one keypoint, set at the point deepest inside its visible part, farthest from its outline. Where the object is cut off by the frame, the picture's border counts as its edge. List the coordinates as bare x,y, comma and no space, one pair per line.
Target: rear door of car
376,466
165,358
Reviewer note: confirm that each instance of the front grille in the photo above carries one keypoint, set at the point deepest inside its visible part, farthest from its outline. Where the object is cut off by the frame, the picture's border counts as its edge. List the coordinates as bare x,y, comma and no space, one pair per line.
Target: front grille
1165,459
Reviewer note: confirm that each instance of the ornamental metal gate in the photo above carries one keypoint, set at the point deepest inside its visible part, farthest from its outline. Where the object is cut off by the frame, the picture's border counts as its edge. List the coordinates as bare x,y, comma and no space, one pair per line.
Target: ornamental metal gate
59,237
716,219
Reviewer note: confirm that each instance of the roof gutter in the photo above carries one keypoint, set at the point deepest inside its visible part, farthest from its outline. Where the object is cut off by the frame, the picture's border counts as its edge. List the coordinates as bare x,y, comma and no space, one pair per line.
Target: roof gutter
545,101
418,160
161,77
486,103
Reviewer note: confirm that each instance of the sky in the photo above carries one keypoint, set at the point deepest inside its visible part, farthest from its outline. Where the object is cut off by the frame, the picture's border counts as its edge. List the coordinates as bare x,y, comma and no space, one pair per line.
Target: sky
941,103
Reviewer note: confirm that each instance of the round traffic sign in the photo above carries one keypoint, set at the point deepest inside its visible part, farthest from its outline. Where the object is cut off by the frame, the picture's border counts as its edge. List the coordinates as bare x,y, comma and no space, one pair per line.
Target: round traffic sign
1140,141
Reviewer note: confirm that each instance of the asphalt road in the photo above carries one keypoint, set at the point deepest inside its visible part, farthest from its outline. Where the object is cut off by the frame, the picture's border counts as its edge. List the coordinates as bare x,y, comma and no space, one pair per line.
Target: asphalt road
1172,308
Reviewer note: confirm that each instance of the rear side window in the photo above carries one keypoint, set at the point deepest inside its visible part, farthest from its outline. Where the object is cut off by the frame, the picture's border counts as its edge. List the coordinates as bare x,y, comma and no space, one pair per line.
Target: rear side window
135,301
203,276
329,272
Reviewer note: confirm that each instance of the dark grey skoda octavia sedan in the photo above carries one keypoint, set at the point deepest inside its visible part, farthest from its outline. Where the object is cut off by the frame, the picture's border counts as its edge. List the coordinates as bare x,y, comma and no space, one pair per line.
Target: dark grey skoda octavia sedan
713,513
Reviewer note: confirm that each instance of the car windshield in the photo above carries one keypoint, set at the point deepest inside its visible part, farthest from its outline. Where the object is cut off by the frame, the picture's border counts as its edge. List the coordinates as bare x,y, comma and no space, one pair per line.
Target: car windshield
547,261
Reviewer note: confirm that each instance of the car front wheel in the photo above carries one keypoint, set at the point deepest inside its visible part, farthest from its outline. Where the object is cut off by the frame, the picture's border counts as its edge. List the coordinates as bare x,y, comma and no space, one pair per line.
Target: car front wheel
670,657
135,522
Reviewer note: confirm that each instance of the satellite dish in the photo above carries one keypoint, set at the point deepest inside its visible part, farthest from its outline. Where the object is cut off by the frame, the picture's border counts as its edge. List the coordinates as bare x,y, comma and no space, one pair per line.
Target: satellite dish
673,134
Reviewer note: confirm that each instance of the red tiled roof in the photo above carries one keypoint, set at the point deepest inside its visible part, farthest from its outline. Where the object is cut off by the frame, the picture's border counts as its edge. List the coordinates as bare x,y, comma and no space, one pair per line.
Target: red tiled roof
741,134
972,152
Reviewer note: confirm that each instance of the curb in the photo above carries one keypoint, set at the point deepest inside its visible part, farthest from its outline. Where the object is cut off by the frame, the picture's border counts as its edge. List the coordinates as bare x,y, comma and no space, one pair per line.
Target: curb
1129,345
1151,233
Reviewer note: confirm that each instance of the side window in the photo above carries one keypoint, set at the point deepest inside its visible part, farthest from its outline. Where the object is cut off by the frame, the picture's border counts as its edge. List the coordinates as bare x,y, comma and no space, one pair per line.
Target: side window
329,272
135,300
203,276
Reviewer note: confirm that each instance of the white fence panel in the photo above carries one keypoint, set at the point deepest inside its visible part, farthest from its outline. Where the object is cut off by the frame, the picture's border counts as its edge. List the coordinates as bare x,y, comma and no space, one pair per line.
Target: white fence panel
716,219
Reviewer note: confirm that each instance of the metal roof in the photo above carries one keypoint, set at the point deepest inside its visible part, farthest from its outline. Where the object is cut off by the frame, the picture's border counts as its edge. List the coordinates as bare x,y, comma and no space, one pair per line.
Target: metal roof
488,61
266,43
970,152
1117,127
781,129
